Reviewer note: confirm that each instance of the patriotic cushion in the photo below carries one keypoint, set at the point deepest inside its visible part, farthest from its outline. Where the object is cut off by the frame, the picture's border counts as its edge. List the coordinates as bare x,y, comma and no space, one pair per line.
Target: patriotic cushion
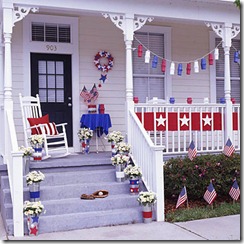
50,129
36,121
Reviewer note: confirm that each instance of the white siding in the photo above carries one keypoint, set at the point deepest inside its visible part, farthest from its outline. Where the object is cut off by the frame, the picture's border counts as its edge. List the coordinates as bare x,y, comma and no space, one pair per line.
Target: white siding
190,43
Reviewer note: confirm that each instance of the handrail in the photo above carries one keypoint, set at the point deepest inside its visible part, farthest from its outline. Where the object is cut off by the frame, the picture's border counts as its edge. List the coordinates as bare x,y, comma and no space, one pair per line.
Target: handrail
14,161
149,158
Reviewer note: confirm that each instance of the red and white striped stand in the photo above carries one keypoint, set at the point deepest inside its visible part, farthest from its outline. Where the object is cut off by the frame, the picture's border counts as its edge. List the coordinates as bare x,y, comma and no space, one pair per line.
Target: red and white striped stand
147,213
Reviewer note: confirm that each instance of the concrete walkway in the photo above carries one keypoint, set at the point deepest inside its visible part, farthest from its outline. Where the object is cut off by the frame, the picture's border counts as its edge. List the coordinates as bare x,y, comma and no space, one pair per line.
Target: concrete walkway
221,228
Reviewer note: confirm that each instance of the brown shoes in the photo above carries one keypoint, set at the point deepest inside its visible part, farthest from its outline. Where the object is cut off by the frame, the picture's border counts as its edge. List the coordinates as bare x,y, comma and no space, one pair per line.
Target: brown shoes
96,194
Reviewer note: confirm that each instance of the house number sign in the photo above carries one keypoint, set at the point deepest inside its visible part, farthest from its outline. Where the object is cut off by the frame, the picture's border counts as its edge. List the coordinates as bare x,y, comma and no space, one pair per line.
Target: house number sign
51,48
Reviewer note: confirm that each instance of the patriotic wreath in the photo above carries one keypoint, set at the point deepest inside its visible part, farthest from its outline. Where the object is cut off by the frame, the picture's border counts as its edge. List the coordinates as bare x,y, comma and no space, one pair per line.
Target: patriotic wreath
104,67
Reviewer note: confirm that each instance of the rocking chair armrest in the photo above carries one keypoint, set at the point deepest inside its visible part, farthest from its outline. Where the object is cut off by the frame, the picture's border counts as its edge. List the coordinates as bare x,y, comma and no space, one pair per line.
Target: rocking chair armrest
62,124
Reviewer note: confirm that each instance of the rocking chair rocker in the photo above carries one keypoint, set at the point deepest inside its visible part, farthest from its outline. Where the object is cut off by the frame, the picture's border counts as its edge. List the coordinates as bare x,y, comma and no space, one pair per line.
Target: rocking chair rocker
55,139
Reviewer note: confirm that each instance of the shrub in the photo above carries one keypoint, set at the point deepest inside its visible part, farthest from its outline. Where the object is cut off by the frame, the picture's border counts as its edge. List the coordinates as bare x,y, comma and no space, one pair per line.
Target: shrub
196,175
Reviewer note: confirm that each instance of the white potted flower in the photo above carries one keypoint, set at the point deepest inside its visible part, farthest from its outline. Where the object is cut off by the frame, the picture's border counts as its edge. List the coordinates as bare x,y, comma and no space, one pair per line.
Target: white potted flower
120,161
133,171
36,140
27,153
85,134
147,199
33,180
123,148
115,137
33,210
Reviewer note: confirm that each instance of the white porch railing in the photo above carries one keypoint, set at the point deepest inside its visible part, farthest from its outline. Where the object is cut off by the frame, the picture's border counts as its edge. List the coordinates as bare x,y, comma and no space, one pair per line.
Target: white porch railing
13,159
177,140
149,158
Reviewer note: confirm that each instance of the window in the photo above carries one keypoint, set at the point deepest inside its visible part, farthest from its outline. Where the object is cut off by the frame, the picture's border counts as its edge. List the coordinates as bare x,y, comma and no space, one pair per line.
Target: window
50,32
148,82
234,72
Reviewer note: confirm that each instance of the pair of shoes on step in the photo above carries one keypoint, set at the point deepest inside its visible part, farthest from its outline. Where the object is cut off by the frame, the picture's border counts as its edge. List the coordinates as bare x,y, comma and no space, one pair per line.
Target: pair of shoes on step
96,194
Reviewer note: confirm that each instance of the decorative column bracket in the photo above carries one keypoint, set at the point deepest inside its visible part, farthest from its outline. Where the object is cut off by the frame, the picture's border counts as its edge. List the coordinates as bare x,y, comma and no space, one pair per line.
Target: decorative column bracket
20,12
119,21
218,29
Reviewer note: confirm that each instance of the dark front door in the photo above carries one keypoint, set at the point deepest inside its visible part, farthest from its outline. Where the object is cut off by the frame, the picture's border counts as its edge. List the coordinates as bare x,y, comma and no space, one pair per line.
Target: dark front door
51,79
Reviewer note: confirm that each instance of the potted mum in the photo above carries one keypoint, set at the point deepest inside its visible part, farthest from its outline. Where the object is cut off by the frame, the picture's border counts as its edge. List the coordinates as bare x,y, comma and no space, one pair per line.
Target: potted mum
36,141
85,135
120,161
27,153
133,172
123,148
33,180
147,199
114,138
32,210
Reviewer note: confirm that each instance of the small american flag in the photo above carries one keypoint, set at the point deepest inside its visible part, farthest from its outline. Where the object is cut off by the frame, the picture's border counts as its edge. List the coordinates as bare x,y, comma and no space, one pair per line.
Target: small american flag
210,194
192,151
228,148
94,93
182,197
85,94
234,191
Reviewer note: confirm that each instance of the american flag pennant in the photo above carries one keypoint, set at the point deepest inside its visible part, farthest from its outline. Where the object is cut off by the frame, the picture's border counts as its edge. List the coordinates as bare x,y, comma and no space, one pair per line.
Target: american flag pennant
210,194
228,148
182,197
234,191
85,94
192,151
94,93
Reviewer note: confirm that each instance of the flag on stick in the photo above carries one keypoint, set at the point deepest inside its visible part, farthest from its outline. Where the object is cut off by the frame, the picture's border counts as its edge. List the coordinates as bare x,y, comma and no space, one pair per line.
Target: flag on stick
234,191
228,148
94,93
210,194
182,197
85,94
192,151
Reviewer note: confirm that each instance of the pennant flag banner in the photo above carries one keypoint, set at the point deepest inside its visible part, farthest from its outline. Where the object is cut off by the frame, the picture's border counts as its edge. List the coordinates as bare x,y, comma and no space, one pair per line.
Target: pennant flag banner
182,197
210,194
234,191
171,121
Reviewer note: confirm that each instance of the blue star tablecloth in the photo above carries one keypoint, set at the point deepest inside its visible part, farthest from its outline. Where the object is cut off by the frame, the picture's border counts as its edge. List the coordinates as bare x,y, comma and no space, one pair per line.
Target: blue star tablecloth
99,122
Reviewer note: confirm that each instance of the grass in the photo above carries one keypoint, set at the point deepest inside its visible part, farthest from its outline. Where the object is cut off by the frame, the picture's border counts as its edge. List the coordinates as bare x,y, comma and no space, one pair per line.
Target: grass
222,209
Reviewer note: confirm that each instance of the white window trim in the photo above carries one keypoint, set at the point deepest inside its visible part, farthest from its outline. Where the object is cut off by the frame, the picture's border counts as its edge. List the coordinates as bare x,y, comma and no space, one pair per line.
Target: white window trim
62,48
167,44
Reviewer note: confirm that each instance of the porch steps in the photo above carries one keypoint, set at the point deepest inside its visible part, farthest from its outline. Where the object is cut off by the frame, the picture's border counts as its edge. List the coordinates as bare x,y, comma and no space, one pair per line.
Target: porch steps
65,180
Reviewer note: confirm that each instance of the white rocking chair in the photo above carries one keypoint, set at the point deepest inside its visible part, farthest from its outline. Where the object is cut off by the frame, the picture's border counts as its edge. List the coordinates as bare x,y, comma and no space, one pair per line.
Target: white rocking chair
54,145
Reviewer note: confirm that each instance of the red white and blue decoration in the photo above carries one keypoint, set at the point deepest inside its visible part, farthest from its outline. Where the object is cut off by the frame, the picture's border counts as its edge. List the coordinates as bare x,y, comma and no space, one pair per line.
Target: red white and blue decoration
89,97
234,191
182,197
210,194
192,151
104,62
204,60
134,186
33,225
228,148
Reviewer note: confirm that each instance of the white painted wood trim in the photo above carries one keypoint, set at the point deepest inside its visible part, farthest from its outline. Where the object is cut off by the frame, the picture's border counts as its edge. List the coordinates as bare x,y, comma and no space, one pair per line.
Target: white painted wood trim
62,48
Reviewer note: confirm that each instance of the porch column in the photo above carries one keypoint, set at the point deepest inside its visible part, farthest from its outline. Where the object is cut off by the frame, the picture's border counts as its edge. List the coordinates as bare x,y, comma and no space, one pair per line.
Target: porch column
128,23
227,31
1,91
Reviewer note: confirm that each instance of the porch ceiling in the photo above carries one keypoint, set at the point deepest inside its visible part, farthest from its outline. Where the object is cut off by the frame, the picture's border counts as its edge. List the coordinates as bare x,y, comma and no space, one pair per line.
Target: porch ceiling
173,10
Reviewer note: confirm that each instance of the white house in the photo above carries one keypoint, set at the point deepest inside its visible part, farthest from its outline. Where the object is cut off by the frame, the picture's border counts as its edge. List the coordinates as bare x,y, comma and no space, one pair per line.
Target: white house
49,48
